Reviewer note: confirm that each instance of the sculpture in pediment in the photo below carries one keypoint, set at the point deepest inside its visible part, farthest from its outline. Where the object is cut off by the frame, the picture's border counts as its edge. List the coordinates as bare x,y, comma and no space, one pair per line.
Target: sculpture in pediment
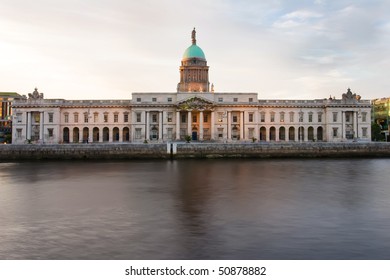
195,103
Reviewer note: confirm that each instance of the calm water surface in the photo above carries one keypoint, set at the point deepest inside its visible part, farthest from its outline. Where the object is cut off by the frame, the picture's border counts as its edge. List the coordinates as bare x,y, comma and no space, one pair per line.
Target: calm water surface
196,209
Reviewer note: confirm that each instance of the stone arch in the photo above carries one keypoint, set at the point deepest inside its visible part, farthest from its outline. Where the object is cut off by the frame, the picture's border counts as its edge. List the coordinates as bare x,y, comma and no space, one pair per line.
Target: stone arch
115,134
291,133
263,133
282,133
272,133
85,134
95,132
65,135
126,134
76,135
106,134
320,133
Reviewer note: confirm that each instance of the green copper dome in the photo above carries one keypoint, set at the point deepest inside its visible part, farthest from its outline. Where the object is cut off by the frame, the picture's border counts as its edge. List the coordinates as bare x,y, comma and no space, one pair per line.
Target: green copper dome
194,51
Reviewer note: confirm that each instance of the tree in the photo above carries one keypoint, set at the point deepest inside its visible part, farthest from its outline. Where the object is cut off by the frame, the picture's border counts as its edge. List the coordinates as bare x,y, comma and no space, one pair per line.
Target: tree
376,134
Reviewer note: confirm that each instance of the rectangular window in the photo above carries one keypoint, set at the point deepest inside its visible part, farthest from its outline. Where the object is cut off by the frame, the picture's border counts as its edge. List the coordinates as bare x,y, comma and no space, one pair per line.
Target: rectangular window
183,132
250,99
51,117
76,117
19,133
126,117
335,131
282,117
138,99
364,116
95,117
291,116
334,116
66,118
183,118
272,117
85,117
364,131
310,117
205,118
169,116
347,118
138,133
250,117
138,117
19,117
235,119
235,99
116,117
154,118
220,133
220,99
220,117
194,119
319,117
50,132
154,99
169,99
105,117
262,117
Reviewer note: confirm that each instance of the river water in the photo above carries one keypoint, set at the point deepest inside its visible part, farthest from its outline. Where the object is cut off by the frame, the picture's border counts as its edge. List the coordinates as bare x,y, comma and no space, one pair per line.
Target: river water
196,209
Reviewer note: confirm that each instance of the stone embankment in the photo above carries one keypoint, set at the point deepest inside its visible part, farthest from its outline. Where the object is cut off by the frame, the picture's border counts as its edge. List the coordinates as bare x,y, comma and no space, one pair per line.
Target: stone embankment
192,150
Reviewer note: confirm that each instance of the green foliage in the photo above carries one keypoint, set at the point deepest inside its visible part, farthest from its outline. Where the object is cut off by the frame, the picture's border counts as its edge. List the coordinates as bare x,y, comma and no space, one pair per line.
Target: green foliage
188,138
376,133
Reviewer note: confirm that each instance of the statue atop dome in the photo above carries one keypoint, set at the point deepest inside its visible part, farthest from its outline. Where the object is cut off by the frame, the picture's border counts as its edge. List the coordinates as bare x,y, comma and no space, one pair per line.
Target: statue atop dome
193,36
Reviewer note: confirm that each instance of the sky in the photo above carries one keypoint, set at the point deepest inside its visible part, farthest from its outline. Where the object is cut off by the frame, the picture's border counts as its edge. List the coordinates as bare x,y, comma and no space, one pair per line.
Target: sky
107,49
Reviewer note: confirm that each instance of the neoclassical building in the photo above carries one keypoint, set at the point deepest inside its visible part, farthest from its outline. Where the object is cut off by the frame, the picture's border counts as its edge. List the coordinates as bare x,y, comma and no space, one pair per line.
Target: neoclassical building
194,110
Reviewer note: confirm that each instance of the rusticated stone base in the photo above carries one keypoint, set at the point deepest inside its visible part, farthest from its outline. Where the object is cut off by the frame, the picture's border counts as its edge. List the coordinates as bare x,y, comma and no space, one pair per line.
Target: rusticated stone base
193,150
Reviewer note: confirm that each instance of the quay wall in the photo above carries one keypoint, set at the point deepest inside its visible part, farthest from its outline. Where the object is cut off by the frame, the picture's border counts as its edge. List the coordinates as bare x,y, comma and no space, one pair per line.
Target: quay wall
192,150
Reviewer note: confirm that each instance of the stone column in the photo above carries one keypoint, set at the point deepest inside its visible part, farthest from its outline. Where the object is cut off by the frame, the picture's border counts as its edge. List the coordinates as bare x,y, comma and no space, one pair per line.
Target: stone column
160,121
256,119
70,134
343,125
200,125
229,125
177,125
277,133
355,128
189,122
267,133
242,126
306,134
296,129
41,127
28,125
212,125
147,132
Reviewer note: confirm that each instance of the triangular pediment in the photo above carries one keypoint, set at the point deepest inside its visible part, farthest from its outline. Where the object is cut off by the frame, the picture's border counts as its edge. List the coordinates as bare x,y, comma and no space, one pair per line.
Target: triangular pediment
195,103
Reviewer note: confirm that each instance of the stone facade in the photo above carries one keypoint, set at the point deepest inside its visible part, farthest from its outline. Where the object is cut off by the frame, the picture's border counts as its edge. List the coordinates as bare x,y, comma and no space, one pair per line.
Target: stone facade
195,111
